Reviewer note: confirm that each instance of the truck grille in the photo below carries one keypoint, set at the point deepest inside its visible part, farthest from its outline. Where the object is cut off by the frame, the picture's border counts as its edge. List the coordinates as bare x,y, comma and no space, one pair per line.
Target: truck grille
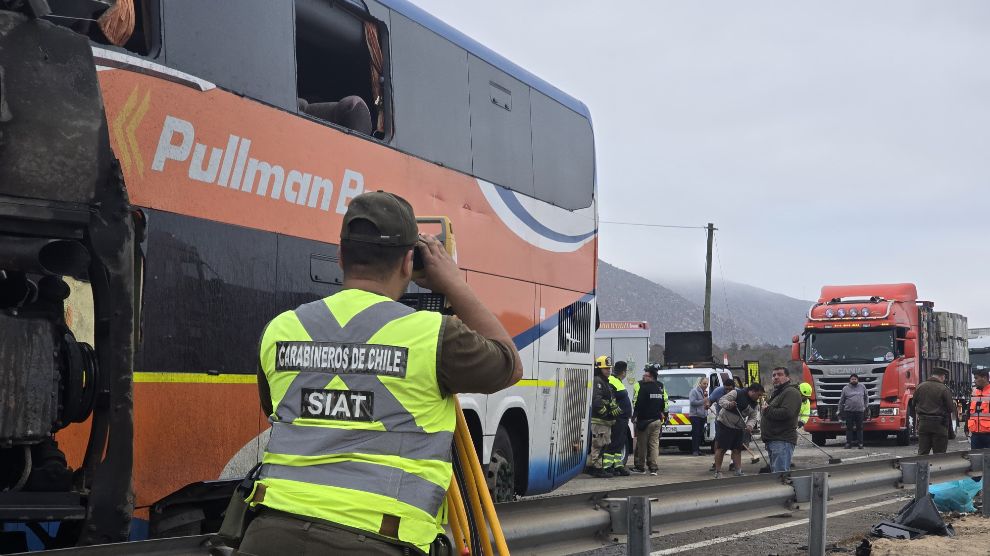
830,380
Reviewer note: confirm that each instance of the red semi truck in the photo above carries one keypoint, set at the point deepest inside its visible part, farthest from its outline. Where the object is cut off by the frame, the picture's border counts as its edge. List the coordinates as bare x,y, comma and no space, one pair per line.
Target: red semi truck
883,333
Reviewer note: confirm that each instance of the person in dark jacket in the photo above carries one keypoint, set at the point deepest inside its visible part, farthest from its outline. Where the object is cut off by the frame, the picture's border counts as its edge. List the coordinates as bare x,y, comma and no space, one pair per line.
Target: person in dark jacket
604,410
649,415
852,407
934,405
615,460
780,417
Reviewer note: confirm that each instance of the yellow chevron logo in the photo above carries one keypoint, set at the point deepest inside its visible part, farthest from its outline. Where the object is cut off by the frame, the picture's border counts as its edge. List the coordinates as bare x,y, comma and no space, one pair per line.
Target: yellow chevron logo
124,127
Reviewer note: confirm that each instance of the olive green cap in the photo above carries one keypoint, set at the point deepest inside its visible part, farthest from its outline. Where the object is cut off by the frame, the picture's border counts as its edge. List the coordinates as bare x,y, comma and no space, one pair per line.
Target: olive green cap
390,214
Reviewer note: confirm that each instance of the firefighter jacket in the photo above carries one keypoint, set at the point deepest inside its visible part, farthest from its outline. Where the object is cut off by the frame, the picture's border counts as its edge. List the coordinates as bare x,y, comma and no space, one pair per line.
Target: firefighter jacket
621,397
604,408
361,434
979,411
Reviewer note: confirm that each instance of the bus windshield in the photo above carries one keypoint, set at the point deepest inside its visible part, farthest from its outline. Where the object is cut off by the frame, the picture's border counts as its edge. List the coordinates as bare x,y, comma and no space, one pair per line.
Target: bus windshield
679,386
854,346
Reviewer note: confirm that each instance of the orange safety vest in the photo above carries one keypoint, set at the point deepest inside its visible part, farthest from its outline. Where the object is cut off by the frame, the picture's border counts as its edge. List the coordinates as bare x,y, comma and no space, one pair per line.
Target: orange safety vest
979,410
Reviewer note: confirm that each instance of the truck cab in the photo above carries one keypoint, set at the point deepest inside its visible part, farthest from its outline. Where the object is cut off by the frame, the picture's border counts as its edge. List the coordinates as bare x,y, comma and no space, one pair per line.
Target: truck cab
889,338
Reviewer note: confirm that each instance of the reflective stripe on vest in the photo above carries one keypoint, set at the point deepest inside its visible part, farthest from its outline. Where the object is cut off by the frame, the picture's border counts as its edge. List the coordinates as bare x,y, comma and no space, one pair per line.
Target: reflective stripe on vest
805,410
394,460
979,411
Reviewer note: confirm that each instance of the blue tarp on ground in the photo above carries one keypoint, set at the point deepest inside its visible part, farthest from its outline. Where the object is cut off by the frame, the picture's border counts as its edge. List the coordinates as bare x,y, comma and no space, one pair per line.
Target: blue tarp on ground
956,496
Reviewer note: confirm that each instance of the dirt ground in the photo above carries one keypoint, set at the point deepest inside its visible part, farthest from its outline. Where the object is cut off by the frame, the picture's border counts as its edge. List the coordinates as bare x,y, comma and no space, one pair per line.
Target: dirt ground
971,540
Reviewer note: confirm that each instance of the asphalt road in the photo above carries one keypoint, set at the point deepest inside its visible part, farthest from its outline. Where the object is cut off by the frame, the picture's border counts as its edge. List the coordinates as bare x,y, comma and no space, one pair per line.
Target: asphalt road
786,534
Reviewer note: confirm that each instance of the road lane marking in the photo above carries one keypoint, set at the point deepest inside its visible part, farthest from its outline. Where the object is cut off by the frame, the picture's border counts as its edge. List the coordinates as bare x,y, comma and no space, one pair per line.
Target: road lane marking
864,457
770,529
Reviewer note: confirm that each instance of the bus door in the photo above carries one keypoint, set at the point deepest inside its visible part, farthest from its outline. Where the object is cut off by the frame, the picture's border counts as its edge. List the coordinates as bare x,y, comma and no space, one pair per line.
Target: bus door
564,383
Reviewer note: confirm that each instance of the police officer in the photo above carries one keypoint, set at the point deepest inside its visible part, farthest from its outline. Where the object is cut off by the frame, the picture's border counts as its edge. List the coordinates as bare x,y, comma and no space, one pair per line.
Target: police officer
360,389
604,410
978,423
933,404
805,414
649,412
615,461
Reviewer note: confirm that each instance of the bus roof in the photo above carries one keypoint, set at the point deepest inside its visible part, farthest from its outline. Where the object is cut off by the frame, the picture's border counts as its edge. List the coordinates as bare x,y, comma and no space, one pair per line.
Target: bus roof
417,14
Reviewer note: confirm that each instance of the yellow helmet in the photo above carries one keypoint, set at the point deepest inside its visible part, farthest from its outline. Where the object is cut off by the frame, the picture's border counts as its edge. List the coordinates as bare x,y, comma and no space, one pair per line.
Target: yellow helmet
603,362
805,389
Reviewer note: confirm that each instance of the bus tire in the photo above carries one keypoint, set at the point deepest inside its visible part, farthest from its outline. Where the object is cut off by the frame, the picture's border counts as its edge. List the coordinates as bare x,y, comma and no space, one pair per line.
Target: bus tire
501,470
819,438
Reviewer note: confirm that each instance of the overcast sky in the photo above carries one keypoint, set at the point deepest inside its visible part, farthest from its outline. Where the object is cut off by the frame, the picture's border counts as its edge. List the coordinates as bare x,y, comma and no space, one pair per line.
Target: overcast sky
832,142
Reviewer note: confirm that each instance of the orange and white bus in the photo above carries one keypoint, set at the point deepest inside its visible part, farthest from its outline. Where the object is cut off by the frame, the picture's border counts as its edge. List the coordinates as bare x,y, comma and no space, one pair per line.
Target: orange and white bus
242,130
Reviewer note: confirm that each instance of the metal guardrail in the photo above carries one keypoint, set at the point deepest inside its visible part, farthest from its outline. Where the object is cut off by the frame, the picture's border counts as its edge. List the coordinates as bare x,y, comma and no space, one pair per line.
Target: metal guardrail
580,522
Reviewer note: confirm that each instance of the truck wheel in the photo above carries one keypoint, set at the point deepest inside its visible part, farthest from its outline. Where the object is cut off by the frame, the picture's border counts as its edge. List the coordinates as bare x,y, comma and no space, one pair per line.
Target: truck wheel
819,438
501,470
904,437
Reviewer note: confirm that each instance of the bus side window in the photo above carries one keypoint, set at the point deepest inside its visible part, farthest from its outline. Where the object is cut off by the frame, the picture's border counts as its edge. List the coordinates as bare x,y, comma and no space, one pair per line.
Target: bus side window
133,24
563,154
340,66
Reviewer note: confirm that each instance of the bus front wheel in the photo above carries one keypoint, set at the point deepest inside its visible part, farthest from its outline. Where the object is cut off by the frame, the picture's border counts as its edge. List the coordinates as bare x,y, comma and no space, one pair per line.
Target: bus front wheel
501,470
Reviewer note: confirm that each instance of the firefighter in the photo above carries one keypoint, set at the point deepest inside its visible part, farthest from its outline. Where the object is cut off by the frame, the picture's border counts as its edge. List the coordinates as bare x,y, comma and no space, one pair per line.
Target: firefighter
978,422
805,414
604,410
614,457
934,405
359,390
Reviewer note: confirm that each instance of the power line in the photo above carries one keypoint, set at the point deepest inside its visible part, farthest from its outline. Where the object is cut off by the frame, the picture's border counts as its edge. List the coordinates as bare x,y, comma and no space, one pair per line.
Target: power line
652,225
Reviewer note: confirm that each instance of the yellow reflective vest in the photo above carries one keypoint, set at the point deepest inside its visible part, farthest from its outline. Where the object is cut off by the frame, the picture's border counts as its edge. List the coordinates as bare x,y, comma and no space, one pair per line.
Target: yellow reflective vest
360,434
805,414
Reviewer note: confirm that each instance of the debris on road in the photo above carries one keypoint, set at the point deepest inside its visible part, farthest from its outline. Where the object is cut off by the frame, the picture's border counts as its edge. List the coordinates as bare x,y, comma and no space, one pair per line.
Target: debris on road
970,540
917,518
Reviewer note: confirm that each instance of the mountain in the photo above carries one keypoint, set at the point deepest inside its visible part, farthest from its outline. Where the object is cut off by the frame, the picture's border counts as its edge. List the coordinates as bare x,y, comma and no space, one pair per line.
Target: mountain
623,295
775,316
751,316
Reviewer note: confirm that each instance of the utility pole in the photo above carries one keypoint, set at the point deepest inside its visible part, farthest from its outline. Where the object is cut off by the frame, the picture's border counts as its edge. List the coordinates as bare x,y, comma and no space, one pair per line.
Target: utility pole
708,277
